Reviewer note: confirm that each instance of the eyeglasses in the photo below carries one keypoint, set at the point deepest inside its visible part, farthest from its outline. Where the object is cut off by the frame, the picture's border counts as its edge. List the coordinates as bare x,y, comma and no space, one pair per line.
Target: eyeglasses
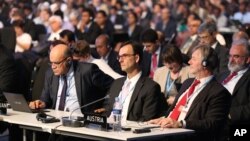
124,56
235,56
57,63
204,37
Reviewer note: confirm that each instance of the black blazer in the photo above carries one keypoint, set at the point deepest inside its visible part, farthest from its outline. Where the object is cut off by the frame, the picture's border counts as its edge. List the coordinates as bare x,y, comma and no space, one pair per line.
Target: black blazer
209,110
170,28
240,108
222,53
93,32
8,72
91,84
146,62
136,34
146,102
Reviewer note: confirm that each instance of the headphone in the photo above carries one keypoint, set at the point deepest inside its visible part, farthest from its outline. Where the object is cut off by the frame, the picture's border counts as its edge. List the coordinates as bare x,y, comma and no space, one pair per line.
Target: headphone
211,59
68,63
46,118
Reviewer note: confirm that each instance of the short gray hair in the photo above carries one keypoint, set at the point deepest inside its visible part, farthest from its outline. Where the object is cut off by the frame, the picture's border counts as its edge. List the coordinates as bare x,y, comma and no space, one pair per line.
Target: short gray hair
242,42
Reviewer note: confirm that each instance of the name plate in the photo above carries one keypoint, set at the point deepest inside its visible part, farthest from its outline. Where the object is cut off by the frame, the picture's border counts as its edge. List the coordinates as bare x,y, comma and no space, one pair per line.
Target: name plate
95,121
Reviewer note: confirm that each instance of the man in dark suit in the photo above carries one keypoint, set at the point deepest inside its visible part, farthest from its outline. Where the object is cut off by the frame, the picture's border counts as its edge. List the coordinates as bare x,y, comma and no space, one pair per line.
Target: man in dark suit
192,41
202,104
8,72
140,96
69,85
207,35
133,29
152,54
237,81
88,30
167,25
107,53
8,77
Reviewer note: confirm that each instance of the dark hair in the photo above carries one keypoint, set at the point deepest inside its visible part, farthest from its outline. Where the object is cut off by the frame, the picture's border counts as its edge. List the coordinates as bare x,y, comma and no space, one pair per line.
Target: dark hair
172,54
90,11
104,14
18,23
81,48
59,13
196,17
70,35
134,14
149,35
57,42
137,48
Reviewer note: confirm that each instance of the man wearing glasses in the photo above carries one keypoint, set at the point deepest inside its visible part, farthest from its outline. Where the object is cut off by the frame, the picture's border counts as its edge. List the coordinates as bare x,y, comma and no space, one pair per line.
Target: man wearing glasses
207,35
70,84
237,82
140,96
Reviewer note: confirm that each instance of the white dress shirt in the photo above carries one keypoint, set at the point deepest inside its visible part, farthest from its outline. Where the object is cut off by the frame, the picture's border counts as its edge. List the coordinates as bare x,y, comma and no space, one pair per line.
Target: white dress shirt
190,99
232,83
71,102
126,101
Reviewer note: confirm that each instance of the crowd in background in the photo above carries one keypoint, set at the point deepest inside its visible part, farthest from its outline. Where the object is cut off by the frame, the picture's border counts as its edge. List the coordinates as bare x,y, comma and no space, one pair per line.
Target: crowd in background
168,32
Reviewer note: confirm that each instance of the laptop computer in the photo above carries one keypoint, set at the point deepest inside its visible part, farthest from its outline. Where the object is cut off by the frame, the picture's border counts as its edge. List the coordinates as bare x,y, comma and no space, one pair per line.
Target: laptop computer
19,103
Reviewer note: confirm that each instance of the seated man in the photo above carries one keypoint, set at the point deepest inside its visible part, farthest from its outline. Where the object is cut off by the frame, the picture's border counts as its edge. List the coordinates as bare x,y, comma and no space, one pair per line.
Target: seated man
70,84
140,96
202,104
81,52
237,82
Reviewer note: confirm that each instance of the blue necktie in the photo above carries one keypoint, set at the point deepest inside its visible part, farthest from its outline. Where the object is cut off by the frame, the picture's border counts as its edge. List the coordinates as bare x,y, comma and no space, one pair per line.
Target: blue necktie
63,94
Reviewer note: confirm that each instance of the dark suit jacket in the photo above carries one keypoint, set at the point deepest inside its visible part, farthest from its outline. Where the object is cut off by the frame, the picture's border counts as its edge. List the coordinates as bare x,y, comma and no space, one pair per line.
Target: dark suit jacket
93,32
222,53
146,62
146,102
91,84
209,110
114,63
119,20
240,108
7,72
136,34
170,28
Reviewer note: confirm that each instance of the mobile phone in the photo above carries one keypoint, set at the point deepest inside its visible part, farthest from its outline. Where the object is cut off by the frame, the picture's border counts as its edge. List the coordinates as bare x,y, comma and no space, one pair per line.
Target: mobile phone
143,130
126,128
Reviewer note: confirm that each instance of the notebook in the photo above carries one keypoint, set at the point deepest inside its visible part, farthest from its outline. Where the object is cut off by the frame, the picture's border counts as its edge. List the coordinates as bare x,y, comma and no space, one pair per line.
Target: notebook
19,103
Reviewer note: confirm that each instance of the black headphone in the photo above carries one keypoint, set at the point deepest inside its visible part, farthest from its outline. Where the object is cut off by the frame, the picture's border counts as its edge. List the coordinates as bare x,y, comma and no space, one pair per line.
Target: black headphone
68,63
46,118
210,60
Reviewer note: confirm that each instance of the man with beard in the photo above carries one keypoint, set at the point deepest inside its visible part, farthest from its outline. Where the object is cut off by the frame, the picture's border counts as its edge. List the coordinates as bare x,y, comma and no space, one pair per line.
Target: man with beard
237,82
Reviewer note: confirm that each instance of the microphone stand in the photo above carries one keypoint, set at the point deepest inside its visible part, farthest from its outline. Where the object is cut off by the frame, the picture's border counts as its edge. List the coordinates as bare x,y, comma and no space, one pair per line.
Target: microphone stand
93,102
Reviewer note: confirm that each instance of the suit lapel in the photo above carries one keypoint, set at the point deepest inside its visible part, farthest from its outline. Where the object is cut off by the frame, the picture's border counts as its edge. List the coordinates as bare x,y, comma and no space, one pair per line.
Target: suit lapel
55,84
199,97
135,94
241,81
78,85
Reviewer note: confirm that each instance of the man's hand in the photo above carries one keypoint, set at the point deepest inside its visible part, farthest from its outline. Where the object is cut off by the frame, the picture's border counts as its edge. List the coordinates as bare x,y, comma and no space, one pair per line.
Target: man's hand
166,123
100,110
38,104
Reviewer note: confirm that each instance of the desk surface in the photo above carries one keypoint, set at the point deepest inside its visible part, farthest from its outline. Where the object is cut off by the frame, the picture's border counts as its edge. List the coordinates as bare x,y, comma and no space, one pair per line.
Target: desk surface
28,120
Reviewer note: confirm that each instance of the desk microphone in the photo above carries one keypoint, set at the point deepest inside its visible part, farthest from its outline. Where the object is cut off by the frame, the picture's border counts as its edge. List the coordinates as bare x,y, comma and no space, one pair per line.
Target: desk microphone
68,121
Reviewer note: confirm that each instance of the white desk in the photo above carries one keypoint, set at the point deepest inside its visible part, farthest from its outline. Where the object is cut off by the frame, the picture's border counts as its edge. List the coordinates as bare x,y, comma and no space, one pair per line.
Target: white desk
28,121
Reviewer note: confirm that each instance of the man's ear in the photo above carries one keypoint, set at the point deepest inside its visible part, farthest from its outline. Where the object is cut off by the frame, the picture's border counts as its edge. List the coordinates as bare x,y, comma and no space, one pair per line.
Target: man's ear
248,60
137,58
